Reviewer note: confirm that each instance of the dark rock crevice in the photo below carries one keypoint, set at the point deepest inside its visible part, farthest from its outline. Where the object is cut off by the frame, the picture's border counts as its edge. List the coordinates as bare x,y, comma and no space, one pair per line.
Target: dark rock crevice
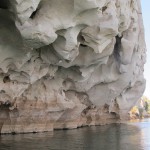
4,4
117,49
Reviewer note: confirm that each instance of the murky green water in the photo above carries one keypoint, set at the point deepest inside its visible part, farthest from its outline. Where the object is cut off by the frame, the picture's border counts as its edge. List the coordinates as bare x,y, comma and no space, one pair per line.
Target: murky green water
131,136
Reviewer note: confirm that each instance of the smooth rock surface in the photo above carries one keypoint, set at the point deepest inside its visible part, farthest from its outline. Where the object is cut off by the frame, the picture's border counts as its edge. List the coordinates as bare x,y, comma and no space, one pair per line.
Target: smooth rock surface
69,63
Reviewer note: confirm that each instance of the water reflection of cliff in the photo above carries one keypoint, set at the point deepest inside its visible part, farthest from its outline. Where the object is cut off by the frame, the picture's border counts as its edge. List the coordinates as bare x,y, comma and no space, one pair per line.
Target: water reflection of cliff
131,136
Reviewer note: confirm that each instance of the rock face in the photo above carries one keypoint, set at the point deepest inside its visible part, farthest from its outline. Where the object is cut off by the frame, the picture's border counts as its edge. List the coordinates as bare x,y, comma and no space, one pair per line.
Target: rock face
69,63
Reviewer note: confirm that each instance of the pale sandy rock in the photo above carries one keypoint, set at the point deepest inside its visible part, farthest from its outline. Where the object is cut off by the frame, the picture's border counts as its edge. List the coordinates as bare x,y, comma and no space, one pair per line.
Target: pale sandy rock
69,63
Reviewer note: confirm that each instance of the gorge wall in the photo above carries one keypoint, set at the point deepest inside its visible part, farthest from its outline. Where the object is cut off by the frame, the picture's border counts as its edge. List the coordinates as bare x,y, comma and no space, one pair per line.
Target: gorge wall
69,63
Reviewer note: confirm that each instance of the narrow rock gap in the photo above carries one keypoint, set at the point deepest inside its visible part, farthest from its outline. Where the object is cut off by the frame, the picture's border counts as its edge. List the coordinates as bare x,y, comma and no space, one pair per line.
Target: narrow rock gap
36,11
117,48
81,39
83,45
33,14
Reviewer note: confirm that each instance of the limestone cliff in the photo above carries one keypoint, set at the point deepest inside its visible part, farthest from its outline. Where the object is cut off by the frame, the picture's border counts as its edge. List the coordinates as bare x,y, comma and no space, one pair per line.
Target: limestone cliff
69,63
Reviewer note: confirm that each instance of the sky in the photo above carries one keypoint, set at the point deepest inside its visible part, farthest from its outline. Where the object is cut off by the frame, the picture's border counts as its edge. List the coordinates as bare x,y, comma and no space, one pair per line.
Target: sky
146,20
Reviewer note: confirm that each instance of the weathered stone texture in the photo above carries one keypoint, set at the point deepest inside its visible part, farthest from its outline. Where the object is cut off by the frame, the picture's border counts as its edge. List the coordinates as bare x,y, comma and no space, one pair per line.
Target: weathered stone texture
69,63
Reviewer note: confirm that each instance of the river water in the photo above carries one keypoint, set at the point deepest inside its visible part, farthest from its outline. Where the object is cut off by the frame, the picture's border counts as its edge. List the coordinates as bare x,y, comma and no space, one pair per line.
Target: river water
134,135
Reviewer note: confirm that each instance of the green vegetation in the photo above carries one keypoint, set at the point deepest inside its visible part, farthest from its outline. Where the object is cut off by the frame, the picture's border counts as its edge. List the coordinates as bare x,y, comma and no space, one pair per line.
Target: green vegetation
146,104
141,109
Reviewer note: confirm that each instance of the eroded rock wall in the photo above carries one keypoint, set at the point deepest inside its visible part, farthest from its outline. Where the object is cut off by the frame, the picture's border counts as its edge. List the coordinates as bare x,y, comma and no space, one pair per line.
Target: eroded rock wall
69,63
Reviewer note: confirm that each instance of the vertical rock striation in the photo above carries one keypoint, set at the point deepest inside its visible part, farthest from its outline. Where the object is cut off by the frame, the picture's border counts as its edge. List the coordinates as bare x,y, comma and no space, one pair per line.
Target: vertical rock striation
69,63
